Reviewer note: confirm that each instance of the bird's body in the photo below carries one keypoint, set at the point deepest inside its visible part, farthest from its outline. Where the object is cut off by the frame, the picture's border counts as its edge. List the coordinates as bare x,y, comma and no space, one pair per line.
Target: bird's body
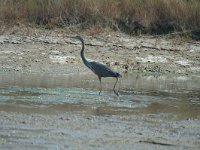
99,69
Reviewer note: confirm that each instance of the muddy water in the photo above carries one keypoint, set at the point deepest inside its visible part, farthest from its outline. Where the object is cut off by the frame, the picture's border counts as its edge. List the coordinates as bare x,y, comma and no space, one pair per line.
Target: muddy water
59,111
36,93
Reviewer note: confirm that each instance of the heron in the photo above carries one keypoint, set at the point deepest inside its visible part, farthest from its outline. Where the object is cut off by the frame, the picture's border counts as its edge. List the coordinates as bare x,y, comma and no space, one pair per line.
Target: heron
99,69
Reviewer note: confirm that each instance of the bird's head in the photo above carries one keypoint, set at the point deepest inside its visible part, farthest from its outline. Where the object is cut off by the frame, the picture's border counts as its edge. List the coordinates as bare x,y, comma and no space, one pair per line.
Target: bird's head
77,37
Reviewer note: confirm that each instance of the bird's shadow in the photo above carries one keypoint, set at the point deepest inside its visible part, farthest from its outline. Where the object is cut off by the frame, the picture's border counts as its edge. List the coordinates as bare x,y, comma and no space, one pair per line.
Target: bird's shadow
103,93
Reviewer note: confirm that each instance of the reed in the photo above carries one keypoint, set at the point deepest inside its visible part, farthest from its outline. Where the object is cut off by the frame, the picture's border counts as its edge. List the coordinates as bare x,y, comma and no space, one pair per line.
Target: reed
130,16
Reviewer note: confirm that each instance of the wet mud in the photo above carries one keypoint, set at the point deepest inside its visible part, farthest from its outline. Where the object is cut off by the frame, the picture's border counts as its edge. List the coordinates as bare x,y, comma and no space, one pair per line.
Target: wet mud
50,100
48,111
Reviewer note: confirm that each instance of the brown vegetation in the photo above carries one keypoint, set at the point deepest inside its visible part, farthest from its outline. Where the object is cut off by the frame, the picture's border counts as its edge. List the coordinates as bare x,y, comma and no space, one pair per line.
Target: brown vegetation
130,16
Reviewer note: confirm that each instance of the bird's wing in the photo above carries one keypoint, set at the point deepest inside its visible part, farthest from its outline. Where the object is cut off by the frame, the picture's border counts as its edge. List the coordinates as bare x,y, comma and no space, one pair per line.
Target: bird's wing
101,70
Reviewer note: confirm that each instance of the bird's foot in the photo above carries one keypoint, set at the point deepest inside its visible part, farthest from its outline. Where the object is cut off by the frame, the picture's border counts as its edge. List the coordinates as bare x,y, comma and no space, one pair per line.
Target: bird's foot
99,92
117,93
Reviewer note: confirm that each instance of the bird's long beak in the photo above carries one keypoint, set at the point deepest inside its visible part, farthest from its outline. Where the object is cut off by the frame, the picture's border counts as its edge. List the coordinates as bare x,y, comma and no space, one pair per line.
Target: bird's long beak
73,38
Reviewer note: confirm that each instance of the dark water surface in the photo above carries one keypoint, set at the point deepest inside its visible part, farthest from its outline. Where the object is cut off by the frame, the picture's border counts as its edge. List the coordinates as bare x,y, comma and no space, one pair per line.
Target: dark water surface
177,96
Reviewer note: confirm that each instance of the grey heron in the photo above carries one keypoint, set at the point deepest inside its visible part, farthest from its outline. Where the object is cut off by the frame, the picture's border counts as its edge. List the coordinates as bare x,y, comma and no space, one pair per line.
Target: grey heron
99,69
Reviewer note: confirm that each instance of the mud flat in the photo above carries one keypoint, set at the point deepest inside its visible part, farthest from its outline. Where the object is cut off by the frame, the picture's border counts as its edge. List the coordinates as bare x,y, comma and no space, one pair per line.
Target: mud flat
72,131
48,111
36,50
49,100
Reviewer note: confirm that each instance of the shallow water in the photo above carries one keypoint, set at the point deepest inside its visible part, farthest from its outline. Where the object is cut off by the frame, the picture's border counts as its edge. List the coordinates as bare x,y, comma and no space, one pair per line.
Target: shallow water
59,111
177,96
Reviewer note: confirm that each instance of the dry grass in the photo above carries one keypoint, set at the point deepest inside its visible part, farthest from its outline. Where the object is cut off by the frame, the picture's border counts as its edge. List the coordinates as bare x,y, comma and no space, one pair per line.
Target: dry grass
131,16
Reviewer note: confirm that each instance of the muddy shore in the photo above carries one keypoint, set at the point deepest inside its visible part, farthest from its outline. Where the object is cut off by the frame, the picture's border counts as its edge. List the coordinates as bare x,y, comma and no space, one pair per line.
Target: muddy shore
52,51
39,109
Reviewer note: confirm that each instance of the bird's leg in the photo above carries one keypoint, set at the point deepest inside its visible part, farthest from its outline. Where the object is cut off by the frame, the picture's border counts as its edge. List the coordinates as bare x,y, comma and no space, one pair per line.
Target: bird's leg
114,87
100,85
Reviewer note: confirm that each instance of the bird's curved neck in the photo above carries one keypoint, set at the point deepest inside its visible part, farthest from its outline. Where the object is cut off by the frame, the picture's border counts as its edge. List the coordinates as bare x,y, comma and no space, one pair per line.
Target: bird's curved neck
82,54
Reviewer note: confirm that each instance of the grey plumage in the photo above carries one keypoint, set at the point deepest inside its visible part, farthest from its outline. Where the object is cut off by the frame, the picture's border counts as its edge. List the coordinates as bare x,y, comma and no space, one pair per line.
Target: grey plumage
99,69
